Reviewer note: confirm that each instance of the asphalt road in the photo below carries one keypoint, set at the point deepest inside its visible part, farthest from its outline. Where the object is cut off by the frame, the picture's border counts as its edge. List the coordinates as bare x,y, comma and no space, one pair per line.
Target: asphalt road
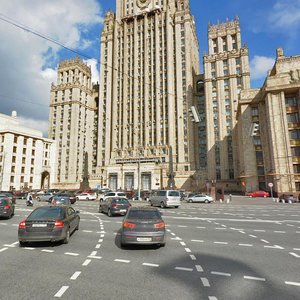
247,249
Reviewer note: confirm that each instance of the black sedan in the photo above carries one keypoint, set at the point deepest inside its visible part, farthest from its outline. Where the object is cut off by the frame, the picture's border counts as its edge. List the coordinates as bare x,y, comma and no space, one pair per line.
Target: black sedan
114,206
143,225
49,223
7,207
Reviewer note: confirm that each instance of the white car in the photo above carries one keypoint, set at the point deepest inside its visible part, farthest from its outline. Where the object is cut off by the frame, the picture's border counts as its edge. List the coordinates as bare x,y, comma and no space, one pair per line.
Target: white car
200,198
86,196
113,194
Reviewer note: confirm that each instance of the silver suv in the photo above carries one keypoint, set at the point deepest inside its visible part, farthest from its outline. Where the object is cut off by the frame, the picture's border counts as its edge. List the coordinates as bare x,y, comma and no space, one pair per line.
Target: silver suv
113,194
165,198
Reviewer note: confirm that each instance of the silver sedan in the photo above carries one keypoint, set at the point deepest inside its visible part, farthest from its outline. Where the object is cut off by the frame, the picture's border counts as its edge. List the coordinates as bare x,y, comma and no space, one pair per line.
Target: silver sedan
200,198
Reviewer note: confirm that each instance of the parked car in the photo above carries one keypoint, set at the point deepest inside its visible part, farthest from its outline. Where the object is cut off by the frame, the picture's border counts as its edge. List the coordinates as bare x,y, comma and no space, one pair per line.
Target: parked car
10,195
200,198
86,196
287,198
144,195
21,195
113,194
49,223
258,194
165,198
114,206
71,195
7,207
44,197
143,225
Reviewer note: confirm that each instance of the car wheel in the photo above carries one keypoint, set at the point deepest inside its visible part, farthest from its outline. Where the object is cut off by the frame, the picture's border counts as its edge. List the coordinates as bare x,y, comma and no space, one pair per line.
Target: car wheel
109,213
176,206
206,201
151,204
162,245
67,238
87,198
162,205
190,201
22,244
77,199
77,227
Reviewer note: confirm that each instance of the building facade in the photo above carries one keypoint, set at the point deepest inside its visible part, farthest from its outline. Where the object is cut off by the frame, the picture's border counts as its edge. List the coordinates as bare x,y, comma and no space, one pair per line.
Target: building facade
73,122
27,160
149,56
269,127
226,68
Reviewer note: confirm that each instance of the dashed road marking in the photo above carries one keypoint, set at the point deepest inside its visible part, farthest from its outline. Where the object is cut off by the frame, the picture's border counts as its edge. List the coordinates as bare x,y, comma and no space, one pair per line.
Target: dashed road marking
296,249
183,226
61,291
274,247
200,227
264,241
95,257
193,257
71,254
122,260
255,278
197,241
199,268
292,283
184,269
205,282
28,248
221,243
100,240
98,246
47,251
86,262
294,254
246,245
221,273
87,231
3,249
212,298
259,230
75,275
187,250
150,265
183,243
254,236
279,231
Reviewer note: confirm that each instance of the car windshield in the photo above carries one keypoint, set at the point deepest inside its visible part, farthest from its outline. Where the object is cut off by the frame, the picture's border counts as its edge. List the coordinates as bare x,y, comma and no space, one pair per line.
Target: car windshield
3,201
46,213
120,201
144,214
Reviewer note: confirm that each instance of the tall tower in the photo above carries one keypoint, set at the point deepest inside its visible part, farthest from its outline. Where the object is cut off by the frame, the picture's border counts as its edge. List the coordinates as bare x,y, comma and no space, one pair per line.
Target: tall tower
149,54
73,110
227,72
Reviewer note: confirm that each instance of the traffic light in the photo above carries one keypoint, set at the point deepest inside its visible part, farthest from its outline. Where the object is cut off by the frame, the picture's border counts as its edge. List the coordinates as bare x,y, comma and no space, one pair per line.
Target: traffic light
254,129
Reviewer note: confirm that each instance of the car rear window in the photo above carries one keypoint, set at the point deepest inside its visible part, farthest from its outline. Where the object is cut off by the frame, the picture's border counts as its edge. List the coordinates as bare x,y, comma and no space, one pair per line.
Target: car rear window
174,194
144,214
47,213
121,194
120,201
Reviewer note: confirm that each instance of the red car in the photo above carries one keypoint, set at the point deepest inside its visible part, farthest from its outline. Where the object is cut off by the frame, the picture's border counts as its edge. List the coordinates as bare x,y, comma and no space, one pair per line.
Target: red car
258,194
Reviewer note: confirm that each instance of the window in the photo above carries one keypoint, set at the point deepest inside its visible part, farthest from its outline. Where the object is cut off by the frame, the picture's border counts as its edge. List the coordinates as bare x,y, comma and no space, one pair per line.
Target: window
296,151
294,134
293,118
291,101
297,169
254,111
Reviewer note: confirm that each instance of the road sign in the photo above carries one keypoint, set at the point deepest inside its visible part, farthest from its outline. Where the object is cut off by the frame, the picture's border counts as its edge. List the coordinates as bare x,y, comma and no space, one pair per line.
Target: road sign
270,184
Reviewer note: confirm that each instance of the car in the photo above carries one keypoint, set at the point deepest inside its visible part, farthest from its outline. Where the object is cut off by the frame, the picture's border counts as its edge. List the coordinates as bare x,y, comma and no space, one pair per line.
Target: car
143,225
65,195
114,206
10,195
7,207
49,223
287,198
113,194
144,195
21,195
44,197
60,200
86,196
258,194
200,198
165,198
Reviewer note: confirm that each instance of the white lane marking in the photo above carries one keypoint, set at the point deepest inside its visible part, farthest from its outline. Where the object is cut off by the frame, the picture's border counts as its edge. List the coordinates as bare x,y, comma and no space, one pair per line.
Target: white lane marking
28,248
254,278
290,225
100,240
274,247
184,269
243,232
223,225
3,224
183,226
199,268
221,243
259,230
292,283
9,245
122,260
294,254
205,281
98,246
254,236
221,228
296,249
86,262
173,233
193,257
16,225
71,253
176,239
265,241
246,245
47,251
61,291
187,250
88,231
95,257
212,298
197,241
169,230
221,273
75,275
183,243
3,249
15,243
101,235
201,227
93,253
150,265
279,231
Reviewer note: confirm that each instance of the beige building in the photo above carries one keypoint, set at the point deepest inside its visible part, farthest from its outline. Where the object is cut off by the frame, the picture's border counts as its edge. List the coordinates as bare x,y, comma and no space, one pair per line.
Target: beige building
73,122
226,68
269,127
149,56
27,159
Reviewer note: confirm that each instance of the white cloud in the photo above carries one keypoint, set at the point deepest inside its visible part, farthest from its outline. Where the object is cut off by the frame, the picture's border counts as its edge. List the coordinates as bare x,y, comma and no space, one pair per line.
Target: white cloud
285,14
260,65
94,69
41,125
26,60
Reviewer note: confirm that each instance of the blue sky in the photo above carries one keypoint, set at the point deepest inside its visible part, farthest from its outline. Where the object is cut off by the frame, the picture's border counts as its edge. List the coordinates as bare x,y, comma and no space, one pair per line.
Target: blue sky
29,63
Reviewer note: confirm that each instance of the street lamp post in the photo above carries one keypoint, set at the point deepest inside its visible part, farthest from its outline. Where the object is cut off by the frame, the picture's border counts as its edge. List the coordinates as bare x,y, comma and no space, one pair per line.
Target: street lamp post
139,175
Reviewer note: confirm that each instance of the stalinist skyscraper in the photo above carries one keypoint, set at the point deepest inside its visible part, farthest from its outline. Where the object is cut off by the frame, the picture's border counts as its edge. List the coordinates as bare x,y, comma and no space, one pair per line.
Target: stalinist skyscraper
149,56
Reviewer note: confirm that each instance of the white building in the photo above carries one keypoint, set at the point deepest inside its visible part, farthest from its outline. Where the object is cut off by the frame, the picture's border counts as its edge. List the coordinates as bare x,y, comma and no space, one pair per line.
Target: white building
27,159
